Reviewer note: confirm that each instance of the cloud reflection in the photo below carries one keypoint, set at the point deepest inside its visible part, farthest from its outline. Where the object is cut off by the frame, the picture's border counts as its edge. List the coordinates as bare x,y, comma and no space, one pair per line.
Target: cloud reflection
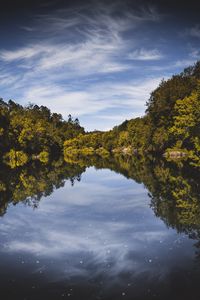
103,223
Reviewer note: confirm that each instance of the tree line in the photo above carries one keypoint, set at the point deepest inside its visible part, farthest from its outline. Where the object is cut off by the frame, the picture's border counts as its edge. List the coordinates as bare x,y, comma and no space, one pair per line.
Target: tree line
170,126
32,132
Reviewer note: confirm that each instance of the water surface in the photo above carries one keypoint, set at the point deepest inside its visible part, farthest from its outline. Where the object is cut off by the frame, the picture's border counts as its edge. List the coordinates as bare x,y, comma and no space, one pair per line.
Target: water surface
96,239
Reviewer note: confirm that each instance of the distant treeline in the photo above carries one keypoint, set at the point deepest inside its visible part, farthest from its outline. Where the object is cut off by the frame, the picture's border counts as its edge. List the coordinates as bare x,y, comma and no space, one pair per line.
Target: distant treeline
170,126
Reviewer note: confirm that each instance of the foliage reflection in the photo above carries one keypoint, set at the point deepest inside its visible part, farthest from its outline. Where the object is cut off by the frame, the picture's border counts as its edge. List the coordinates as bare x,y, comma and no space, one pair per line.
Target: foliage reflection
174,188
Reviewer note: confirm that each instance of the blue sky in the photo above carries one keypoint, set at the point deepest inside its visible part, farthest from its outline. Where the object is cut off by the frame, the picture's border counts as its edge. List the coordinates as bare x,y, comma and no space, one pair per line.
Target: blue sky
96,60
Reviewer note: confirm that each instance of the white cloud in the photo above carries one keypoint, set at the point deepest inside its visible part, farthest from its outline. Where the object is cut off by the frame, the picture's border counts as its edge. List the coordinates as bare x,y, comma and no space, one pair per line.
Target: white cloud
99,17
62,101
81,41
23,53
145,54
97,51
195,53
72,59
95,98
183,63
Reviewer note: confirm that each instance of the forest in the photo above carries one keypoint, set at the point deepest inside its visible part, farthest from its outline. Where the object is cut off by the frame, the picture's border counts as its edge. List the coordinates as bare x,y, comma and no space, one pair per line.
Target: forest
170,128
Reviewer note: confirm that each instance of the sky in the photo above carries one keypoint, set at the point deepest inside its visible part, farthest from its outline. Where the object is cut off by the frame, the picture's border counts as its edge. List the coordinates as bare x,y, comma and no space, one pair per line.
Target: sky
96,60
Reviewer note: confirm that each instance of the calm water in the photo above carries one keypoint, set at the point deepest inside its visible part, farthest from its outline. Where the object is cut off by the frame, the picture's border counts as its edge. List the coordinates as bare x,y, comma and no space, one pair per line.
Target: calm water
97,239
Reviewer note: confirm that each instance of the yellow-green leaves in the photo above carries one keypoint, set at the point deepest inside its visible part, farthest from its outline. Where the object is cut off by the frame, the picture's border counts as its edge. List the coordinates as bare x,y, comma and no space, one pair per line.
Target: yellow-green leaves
15,158
185,130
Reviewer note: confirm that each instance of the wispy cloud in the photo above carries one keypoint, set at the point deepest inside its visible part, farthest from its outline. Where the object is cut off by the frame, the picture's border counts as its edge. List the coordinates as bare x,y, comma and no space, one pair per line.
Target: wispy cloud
86,43
96,99
195,53
74,58
185,62
194,31
145,54
23,53
99,62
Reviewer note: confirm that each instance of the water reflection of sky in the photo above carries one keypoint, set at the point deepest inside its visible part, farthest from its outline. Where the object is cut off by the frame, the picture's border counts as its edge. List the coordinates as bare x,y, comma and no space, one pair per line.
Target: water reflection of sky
101,231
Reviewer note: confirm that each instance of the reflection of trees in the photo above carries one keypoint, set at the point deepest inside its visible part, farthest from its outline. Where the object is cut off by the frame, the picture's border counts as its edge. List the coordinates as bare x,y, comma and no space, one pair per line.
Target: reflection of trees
34,181
174,189
175,198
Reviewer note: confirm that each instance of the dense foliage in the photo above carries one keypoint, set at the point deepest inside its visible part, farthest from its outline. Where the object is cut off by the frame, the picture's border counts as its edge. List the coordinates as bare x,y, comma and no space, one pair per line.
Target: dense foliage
171,125
32,132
